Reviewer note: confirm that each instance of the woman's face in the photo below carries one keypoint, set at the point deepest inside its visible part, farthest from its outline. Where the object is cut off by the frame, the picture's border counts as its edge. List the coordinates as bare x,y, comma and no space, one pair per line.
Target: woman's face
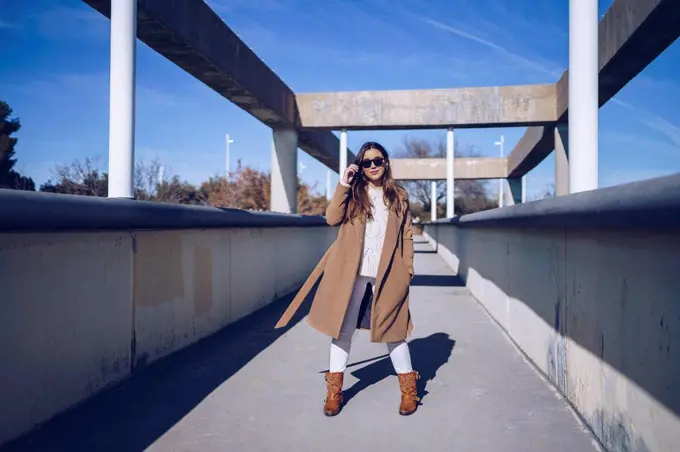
373,165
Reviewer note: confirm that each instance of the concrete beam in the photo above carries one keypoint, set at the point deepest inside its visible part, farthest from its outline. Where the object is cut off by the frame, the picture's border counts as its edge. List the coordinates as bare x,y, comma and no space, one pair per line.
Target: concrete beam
192,36
631,34
435,168
535,145
496,106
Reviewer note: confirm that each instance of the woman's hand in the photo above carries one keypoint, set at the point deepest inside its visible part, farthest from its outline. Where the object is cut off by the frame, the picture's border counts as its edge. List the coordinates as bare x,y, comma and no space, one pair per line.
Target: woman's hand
349,175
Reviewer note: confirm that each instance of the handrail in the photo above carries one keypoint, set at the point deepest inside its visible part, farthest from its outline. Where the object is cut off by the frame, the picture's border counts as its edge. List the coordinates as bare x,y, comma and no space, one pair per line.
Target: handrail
24,211
652,204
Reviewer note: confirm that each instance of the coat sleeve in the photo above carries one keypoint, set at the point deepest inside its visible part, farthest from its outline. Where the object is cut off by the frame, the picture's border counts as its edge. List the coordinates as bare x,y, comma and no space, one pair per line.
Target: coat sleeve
335,212
407,241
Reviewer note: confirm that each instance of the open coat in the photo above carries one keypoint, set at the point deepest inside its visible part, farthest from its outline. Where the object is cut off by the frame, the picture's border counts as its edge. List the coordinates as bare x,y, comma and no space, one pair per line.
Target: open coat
390,319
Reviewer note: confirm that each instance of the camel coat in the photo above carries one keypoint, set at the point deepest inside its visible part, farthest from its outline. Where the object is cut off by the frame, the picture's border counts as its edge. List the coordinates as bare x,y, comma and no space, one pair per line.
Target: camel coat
338,268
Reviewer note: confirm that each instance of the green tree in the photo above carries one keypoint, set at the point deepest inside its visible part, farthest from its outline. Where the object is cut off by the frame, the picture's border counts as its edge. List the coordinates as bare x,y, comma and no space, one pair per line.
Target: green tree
9,178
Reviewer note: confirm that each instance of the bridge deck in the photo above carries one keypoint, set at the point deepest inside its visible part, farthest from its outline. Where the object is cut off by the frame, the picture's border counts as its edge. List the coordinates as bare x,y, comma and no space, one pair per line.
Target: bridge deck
250,388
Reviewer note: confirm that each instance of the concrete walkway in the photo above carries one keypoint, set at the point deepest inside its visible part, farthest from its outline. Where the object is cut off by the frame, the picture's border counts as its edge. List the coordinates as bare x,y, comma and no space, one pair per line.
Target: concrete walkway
251,388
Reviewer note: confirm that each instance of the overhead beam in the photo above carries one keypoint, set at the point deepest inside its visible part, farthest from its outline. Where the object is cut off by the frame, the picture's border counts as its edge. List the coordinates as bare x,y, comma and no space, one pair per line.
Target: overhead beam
534,146
497,106
191,35
632,34
468,168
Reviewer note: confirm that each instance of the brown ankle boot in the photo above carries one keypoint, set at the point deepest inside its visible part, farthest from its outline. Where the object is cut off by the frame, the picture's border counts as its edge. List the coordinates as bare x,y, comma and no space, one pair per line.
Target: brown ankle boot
334,396
409,393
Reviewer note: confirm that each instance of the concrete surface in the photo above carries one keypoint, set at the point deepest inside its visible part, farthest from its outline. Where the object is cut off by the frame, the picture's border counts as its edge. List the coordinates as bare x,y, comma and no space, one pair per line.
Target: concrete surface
474,168
250,387
594,308
632,34
26,211
645,206
191,35
531,149
496,106
81,311
561,160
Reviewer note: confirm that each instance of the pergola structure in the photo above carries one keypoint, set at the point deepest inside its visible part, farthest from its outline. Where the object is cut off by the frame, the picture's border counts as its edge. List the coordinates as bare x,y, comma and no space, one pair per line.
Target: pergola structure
604,55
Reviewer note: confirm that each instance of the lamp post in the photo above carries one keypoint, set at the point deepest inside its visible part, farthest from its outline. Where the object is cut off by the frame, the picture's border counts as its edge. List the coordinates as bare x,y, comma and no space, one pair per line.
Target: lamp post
228,142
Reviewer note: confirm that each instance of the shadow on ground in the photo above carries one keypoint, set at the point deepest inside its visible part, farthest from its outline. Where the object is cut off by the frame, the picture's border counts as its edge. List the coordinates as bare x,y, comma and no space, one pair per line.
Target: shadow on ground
133,415
424,251
437,281
427,356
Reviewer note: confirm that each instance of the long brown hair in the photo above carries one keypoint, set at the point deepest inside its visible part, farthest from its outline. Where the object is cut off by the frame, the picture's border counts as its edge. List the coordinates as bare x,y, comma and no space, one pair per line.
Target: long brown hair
359,204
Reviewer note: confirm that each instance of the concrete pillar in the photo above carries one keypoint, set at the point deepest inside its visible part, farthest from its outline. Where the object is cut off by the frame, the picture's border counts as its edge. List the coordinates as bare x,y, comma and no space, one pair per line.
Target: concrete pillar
524,189
514,191
450,181
433,202
329,195
343,152
284,171
583,95
561,160
122,99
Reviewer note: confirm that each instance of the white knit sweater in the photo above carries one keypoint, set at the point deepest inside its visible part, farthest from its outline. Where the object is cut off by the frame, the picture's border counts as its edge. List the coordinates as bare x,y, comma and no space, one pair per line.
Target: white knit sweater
374,235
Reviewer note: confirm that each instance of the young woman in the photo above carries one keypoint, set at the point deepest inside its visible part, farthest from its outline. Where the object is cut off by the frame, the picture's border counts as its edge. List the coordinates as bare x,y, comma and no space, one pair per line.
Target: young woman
365,274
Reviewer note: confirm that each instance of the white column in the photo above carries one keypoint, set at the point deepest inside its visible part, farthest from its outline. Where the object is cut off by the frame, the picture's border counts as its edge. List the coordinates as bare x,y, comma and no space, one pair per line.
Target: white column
583,95
329,195
524,189
343,152
284,171
433,202
561,161
450,181
122,99
501,182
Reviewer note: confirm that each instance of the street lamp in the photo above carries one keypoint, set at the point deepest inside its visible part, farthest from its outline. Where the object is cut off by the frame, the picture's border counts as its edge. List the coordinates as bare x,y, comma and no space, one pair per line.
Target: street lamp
500,185
229,141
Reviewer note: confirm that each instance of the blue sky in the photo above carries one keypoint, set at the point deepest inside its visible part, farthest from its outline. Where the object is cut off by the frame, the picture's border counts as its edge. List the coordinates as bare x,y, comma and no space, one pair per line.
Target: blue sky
55,63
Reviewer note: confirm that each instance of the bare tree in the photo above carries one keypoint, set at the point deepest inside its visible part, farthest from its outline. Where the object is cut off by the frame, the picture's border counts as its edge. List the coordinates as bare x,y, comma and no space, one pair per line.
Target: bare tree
148,176
80,177
310,201
470,195
548,192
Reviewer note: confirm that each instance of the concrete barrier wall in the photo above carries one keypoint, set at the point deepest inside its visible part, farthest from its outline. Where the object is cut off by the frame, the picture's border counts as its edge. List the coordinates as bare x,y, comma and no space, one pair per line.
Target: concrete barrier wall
81,309
595,307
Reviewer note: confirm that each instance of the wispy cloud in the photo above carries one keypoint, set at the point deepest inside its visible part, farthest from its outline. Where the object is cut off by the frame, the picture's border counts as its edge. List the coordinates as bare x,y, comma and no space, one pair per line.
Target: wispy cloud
94,87
72,23
529,63
229,6
654,122
642,144
503,9
666,128
270,45
617,176
4,24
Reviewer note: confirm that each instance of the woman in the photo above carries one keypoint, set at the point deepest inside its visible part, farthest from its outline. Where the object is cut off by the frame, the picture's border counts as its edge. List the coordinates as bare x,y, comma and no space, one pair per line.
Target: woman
371,261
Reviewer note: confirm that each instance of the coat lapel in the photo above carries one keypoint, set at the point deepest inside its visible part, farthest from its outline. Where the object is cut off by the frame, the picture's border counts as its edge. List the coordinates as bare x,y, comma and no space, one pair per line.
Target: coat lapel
389,245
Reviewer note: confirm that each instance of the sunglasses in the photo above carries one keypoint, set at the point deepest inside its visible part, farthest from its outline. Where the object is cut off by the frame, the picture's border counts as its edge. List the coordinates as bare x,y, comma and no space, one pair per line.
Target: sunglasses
366,163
